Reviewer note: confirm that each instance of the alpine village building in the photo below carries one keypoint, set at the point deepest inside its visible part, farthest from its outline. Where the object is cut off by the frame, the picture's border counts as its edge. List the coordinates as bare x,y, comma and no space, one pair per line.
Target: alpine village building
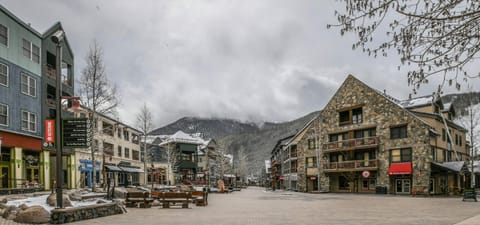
368,141
27,93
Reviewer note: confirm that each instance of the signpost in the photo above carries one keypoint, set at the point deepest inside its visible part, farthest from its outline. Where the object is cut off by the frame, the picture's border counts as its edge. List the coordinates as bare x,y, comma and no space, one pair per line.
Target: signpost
76,133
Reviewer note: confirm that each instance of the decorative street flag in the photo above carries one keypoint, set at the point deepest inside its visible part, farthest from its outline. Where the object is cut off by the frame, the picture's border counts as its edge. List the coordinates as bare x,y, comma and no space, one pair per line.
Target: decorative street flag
50,131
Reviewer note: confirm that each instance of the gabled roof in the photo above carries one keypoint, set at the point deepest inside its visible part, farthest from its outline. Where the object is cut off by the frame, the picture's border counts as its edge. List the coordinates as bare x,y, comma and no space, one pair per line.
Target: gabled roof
301,131
387,97
53,29
282,142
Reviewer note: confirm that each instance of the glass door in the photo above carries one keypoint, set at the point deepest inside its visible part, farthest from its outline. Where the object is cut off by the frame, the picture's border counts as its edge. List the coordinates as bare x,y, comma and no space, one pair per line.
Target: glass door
403,186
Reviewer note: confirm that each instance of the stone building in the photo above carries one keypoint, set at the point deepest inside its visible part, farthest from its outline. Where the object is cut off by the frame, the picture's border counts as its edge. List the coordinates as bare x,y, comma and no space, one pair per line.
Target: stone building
373,142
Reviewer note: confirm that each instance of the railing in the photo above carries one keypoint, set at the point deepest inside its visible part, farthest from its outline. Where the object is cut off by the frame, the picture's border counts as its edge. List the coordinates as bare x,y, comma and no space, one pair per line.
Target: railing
351,165
350,143
293,154
51,72
50,101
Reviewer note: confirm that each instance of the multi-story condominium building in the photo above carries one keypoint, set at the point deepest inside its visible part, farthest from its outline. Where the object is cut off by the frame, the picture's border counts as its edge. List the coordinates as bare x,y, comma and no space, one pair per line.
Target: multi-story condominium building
207,162
367,141
373,142
182,150
48,92
117,154
277,163
25,100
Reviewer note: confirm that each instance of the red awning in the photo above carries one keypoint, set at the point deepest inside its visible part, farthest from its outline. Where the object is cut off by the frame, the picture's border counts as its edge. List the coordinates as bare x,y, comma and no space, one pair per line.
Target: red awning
400,168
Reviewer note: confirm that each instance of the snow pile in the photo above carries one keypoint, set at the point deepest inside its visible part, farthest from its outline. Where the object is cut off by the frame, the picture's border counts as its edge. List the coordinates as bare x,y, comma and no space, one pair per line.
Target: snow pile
42,201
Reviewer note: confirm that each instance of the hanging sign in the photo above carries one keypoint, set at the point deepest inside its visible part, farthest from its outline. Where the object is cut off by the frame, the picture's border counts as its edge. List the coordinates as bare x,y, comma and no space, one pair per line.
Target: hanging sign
366,174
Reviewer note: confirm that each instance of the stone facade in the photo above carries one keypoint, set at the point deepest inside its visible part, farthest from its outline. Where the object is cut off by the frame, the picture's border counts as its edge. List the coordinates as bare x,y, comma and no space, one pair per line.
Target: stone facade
380,113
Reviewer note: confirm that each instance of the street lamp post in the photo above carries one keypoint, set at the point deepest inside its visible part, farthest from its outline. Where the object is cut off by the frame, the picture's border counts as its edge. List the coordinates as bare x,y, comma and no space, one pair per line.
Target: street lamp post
57,38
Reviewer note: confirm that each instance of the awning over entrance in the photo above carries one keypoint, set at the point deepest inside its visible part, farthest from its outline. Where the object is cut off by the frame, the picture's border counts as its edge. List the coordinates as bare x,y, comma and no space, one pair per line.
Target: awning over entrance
113,168
400,168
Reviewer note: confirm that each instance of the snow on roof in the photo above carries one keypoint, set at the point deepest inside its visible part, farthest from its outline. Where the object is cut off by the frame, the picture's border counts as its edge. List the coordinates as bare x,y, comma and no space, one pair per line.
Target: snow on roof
182,137
446,106
414,102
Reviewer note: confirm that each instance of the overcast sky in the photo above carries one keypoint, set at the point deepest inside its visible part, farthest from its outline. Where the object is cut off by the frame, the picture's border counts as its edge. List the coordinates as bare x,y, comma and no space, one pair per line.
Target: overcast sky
268,60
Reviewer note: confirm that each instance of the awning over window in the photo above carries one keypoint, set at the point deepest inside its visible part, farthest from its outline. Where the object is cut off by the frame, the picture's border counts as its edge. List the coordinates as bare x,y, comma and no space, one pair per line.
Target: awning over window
112,168
131,170
400,168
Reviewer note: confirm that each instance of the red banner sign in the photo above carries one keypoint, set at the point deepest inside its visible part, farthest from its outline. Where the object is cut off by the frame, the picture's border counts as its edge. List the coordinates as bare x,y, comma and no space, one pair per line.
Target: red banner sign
313,178
49,131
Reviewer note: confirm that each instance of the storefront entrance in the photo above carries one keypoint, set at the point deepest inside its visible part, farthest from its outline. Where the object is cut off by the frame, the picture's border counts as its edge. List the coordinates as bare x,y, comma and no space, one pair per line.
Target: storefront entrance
402,186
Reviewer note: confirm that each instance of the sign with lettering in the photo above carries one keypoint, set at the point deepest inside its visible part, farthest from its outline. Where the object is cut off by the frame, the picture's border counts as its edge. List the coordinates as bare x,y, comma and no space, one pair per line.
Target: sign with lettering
76,132
49,131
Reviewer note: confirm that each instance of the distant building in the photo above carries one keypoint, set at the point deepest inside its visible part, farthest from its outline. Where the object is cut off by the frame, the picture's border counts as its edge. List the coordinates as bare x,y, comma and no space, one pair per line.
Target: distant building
117,154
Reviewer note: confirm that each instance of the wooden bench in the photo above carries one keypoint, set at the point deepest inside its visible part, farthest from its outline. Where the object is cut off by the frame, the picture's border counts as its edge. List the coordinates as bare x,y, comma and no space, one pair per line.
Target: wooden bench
200,198
138,199
173,197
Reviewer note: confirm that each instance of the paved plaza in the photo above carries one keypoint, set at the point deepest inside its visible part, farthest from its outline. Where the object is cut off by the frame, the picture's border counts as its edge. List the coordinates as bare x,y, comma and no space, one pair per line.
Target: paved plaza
257,206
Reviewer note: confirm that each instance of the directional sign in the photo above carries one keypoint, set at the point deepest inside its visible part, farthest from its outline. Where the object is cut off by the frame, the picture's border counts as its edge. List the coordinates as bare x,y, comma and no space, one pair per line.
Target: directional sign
76,132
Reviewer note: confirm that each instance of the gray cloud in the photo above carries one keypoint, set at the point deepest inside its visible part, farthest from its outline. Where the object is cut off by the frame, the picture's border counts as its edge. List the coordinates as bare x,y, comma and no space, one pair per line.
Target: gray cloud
255,60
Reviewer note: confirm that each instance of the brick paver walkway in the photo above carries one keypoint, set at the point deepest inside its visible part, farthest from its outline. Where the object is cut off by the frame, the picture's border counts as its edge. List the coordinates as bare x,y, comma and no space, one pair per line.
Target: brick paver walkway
256,206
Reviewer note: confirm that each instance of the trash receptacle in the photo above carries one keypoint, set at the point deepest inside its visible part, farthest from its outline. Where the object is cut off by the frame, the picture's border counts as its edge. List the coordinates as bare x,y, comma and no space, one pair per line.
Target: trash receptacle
380,190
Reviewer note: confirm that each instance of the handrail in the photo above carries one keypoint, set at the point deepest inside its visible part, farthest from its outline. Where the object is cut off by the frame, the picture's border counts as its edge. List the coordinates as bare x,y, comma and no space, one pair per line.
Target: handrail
354,164
349,143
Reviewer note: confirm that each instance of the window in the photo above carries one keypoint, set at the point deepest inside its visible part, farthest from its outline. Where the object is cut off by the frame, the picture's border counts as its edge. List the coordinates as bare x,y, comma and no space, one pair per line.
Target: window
401,155
27,47
398,132
311,143
3,35
444,135
119,151
449,156
107,128
312,162
354,116
357,116
107,148
127,153
434,153
29,121
31,51
444,155
460,140
135,155
456,139
3,74
3,115
29,85
125,135
35,53
344,117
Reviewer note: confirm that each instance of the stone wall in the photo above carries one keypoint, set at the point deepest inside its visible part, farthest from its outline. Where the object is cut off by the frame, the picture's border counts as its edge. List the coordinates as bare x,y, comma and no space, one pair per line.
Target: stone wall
380,112
68,215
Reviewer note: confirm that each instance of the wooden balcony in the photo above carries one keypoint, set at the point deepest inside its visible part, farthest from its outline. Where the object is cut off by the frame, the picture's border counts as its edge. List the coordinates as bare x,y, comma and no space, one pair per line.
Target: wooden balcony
350,144
356,165
51,72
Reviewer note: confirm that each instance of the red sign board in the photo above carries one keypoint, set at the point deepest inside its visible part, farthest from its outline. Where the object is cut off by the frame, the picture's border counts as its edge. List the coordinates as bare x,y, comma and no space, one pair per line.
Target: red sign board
49,131
282,178
313,178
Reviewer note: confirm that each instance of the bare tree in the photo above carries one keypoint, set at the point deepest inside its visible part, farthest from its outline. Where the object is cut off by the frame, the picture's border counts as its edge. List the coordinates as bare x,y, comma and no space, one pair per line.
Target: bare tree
471,122
144,124
440,37
172,159
97,94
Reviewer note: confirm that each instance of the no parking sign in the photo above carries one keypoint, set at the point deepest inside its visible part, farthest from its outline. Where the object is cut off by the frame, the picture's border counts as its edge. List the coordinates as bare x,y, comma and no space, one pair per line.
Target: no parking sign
366,174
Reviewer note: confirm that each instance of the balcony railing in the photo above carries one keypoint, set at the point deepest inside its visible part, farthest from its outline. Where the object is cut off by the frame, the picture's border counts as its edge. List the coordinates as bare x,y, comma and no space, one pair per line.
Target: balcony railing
350,165
351,143
51,72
